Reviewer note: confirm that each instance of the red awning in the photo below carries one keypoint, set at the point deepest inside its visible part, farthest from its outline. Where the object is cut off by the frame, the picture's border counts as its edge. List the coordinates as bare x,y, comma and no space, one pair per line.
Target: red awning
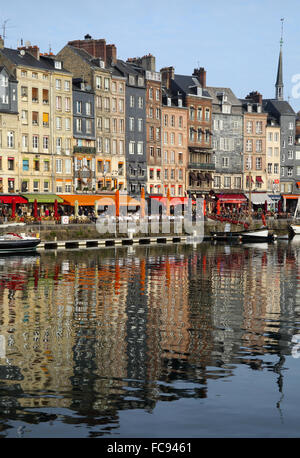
231,198
173,200
251,179
259,180
9,199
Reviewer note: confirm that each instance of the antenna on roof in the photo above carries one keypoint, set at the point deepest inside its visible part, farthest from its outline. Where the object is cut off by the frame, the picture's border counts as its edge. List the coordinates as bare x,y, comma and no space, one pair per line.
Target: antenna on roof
50,50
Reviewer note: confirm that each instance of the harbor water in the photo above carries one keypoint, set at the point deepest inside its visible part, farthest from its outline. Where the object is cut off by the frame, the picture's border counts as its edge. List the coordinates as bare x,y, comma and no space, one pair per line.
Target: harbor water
182,341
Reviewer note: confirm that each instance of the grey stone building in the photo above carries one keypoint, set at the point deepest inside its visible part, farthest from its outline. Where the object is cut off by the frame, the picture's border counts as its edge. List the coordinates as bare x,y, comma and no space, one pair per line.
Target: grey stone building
8,92
135,126
286,118
84,136
227,128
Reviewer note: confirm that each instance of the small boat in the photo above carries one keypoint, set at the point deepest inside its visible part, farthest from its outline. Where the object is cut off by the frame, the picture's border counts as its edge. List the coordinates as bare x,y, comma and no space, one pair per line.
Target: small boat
18,243
226,236
258,235
294,227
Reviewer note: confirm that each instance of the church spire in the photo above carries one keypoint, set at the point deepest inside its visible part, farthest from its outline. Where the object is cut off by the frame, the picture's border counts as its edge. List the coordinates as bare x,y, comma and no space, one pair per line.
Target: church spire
279,80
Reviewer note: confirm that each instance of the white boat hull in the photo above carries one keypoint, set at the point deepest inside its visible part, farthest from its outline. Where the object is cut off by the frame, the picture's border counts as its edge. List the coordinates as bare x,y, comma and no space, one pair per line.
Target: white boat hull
295,228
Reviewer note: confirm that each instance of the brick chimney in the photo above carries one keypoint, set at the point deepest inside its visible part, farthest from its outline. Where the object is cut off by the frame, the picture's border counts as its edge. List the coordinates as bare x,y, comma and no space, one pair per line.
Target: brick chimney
200,74
96,48
255,96
111,54
33,50
167,74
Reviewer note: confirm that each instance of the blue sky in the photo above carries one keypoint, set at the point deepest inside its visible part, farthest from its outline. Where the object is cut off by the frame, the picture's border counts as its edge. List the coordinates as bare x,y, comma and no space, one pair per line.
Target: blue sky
237,41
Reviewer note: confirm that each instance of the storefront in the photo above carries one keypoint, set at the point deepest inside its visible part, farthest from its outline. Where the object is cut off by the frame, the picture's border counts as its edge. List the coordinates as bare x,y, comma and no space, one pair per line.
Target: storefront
230,202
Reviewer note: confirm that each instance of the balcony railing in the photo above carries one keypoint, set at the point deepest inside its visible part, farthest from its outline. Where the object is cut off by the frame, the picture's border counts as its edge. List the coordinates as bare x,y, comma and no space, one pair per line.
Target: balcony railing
202,165
84,149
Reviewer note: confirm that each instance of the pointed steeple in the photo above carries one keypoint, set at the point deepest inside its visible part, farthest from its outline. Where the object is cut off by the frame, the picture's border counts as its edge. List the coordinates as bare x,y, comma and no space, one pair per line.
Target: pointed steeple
279,80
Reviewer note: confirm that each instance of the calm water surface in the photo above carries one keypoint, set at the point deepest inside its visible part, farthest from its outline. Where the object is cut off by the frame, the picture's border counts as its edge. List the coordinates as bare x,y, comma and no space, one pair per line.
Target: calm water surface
180,341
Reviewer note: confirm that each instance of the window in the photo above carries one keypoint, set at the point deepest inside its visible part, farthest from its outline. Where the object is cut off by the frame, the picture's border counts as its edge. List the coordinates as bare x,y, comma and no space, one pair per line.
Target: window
192,113
276,137
79,124
121,105
68,168
191,134
150,93
140,102
180,139
258,127
131,101
290,171
35,142
157,95
140,147
25,165
157,111
45,142
46,166
270,136
98,82
199,135
58,123
238,182
35,95
131,147
290,140
180,122
207,114
88,108
106,84
24,141
35,185
58,84
131,124
68,123
258,146
67,85
58,145
258,163
24,93
276,168
207,136
225,162
291,125
140,125
79,106
290,154
24,117
88,126
172,157
270,152
249,127
166,174
35,118
11,184
58,163
36,165
227,182
10,163
269,168
172,138
248,145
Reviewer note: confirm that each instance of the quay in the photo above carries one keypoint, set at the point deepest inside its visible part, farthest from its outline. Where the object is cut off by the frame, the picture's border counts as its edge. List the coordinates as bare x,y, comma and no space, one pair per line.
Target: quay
76,236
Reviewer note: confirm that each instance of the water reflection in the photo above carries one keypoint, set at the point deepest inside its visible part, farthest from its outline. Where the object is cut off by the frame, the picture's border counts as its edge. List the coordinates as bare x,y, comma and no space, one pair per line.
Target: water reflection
86,335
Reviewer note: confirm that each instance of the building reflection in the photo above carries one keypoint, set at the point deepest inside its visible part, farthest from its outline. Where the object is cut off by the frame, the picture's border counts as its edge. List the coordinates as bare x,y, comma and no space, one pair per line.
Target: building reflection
101,331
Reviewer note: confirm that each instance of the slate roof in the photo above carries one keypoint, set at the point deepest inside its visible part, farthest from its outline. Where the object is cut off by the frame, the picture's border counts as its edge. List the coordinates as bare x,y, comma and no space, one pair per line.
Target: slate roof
231,98
188,84
44,63
281,107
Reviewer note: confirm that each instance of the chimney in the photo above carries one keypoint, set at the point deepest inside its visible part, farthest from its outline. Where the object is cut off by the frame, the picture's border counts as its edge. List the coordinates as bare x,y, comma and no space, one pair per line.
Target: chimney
96,48
33,50
255,96
111,54
167,74
1,42
200,74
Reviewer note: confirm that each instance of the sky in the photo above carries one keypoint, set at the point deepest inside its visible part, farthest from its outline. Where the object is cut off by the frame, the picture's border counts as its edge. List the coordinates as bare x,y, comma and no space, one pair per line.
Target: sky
237,42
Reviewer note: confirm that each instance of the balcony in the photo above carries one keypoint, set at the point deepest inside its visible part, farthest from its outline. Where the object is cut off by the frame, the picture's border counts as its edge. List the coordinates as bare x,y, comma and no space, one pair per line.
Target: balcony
202,166
84,149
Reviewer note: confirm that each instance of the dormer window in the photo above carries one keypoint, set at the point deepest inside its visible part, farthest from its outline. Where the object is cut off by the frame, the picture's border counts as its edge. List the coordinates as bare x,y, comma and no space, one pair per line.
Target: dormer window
131,80
57,64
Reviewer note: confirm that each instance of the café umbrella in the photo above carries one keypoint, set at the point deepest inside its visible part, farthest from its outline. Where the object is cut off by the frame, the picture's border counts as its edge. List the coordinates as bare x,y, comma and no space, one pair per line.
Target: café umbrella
55,209
117,202
13,208
35,212
143,203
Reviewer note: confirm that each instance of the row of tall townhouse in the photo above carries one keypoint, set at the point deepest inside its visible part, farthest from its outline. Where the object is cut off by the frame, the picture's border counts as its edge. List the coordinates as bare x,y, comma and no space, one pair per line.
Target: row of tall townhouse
85,121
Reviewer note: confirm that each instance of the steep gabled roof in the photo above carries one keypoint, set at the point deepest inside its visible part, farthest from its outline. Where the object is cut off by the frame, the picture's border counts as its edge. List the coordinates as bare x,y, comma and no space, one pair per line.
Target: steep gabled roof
281,107
44,63
188,84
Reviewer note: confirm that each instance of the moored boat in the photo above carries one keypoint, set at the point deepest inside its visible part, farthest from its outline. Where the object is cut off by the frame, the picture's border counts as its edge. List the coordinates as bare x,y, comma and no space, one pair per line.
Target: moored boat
258,235
18,243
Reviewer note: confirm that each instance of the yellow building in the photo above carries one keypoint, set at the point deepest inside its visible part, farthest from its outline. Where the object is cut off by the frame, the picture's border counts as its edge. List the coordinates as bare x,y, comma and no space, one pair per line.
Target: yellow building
273,156
45,120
